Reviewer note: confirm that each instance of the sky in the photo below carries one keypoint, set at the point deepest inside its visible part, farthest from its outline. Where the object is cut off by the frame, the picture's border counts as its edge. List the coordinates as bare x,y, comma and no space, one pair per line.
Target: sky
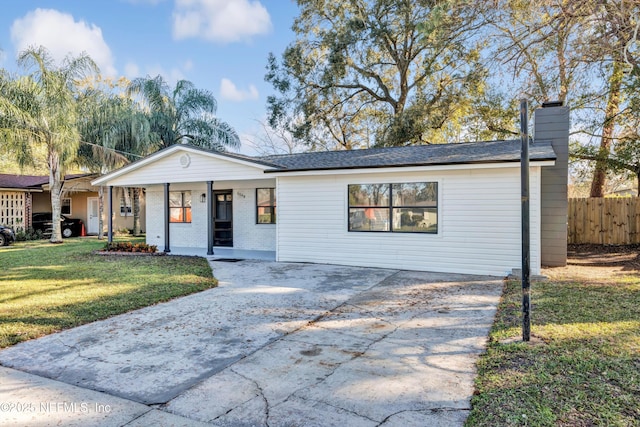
219,45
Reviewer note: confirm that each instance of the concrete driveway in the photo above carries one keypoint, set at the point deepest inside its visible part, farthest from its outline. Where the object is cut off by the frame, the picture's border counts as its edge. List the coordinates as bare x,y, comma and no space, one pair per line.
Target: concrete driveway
275,344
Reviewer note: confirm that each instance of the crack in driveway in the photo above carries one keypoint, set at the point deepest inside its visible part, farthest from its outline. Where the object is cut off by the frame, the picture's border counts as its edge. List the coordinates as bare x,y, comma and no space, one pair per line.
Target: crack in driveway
359,340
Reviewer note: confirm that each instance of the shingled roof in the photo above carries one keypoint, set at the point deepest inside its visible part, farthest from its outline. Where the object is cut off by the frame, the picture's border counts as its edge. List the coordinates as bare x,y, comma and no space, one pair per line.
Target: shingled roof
415,155
392,157
31,182
22,182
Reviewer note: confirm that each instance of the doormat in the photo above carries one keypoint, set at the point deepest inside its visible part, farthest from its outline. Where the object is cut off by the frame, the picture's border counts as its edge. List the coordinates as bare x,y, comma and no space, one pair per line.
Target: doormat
227,259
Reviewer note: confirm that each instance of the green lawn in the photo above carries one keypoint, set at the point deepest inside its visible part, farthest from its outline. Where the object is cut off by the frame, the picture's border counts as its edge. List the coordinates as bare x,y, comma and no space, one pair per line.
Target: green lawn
582,368
45,288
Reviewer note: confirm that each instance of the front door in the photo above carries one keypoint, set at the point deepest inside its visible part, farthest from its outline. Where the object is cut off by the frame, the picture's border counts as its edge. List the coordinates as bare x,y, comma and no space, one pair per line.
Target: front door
223,218
92,215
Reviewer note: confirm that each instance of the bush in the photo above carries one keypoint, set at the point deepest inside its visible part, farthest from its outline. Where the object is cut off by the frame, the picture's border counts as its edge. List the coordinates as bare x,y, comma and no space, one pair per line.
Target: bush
130,247
30,234
123,231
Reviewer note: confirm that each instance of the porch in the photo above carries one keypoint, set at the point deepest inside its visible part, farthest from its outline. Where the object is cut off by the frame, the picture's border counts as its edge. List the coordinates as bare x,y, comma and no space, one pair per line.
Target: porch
225,253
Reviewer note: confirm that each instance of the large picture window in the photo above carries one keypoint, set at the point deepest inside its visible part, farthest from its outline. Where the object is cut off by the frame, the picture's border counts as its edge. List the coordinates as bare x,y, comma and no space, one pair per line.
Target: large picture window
266,205
405,207
180,206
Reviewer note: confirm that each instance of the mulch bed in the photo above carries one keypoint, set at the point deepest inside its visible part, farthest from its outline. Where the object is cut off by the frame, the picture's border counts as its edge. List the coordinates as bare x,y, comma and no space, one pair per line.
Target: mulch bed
117,253
627,256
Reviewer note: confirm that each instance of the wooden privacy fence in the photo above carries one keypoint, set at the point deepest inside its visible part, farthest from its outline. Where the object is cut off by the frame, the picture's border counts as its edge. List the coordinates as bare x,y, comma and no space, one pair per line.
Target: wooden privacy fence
605,221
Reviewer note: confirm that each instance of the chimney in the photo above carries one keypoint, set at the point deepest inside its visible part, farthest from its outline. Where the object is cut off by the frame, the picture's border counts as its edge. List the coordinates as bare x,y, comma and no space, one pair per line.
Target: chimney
551,123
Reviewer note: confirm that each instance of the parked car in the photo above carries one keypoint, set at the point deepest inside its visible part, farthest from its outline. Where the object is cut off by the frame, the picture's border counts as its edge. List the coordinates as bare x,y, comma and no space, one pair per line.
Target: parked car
70,226
6,236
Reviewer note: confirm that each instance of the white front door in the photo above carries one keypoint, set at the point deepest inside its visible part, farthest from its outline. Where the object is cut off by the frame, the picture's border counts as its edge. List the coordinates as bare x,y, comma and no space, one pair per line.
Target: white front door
92,215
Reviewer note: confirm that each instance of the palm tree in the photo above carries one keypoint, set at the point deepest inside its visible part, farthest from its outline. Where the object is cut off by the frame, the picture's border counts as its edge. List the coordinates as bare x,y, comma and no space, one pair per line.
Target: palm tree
114,132
184,114
39,110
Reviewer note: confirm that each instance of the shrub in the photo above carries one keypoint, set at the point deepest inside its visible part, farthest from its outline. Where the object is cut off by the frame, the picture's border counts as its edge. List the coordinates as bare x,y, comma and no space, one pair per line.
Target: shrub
123,231
130,247
30,234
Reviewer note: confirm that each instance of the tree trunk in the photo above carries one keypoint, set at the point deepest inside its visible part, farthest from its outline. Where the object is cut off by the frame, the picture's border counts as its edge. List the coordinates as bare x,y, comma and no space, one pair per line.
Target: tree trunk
136,211
55,187
100,213
611,112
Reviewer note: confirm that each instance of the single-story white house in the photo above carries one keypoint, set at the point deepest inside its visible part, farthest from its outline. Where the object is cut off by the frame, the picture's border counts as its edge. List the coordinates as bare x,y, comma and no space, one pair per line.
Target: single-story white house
444,208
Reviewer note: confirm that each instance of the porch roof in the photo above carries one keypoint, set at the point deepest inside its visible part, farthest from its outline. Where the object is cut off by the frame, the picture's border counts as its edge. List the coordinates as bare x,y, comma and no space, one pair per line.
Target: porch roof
22,182
32,183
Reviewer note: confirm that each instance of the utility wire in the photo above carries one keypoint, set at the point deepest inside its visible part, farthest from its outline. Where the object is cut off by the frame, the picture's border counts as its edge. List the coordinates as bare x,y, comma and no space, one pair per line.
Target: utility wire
111,149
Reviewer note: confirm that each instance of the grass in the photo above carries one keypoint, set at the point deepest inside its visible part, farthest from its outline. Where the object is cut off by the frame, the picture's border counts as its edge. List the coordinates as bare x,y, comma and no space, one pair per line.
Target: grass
45,288
582,367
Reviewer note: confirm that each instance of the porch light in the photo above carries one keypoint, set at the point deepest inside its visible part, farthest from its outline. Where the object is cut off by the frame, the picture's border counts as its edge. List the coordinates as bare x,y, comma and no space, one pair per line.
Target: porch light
203,198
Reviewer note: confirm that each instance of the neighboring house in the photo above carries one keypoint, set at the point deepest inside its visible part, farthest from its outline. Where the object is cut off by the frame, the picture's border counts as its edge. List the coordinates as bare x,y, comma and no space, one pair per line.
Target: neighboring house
623,192
17,194
23,195
446,208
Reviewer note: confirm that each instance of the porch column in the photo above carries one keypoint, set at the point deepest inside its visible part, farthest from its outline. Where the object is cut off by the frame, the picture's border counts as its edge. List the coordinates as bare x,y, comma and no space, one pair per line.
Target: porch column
167,218
110,212
209,217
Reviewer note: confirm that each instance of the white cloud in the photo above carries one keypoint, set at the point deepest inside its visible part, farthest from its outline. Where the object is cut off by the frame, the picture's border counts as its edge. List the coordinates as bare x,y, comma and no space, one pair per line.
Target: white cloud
151,2
61,34
222,21
230,92
131,70
172,75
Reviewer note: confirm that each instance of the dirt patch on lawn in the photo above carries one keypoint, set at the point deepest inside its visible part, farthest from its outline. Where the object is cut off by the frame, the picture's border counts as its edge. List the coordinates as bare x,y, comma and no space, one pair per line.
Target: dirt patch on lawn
597,262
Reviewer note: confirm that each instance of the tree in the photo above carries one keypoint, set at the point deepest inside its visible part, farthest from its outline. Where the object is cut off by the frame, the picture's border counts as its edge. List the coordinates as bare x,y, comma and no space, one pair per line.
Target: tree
39,110
571,50
184,114
541,42
624,157
612,111
383,72
272,141
114,132
617,29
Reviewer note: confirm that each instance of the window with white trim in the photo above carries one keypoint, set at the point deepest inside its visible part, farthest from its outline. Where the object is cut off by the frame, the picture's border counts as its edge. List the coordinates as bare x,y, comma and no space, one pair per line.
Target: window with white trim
65,206
180,206
266,205
126,202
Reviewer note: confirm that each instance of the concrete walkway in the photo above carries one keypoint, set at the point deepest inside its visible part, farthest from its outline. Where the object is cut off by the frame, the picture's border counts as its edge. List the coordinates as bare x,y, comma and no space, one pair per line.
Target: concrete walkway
274,345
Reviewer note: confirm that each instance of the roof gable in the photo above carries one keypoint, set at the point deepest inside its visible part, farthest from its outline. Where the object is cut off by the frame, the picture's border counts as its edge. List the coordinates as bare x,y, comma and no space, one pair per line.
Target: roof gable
180,159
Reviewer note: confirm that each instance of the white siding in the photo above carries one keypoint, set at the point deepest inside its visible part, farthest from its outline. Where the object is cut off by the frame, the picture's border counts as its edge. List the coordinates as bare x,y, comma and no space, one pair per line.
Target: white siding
246,233
194,168
478,230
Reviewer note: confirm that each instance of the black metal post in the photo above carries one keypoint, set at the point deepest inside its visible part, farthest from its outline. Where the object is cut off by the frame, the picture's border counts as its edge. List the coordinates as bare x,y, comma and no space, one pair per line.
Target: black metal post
110,217
167,218
526,250
209,217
